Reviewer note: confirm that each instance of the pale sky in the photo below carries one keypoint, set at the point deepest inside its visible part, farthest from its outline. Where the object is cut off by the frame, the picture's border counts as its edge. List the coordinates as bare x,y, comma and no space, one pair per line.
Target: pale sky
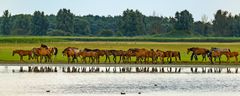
115,7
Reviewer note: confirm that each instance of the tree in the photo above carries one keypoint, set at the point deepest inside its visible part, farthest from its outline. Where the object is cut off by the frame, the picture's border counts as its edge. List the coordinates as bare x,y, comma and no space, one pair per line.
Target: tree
183,21
132,23
39,23
65,21
21,25
106,33
220,23
81,27
6,23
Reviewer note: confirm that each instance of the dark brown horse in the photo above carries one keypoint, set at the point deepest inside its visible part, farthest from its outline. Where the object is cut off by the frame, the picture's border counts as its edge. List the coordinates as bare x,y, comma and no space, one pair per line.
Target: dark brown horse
198,51
22,53
117,53
71,52
93,56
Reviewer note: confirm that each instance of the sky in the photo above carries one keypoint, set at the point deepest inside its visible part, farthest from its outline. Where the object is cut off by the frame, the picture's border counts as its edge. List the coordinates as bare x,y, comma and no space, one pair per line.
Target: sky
115,7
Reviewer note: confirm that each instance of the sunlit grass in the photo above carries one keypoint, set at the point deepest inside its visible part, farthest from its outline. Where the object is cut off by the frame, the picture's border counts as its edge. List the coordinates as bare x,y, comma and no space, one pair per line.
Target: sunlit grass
6,48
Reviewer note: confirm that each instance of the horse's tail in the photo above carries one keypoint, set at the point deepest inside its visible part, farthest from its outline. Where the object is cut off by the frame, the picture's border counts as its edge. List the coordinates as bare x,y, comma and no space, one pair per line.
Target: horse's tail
55,51
179,56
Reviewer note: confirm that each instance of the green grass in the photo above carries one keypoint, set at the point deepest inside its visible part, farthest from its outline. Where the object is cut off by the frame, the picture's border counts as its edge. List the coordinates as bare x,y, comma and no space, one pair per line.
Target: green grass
6,48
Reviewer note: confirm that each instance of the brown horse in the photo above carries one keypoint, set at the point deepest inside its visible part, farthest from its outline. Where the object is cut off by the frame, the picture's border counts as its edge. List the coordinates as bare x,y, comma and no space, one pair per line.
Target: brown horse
198,51
141,54
71,52
91,54
116,53
175,54
22,53
214,54
230,55
168,55
153,55
41,52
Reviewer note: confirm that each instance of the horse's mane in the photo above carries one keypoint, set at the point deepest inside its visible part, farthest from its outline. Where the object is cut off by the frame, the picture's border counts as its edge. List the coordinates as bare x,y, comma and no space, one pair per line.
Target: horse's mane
44,46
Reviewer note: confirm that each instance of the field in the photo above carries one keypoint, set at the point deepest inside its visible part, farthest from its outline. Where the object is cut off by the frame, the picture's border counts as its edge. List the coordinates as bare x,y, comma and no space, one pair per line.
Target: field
7,47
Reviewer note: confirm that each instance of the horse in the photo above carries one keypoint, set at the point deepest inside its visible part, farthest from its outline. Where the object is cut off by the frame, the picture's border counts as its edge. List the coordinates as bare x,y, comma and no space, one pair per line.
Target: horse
71,52
220,49
198,51
169,55
107,54
91,54
214,54
52,50
22,53
175,54
141,54
116,53
44,46
100,53
43,53
230,55
152,54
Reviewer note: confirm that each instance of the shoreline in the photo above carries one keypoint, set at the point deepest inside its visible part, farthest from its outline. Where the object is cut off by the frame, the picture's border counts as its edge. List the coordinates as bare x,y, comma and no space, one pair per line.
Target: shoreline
126,65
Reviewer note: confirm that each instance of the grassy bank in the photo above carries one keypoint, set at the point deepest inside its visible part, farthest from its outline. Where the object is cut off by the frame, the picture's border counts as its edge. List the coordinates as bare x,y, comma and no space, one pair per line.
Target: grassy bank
43,39
6,48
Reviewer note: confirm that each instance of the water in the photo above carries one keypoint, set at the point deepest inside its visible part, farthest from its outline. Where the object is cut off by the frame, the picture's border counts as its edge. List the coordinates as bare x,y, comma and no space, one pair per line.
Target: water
112,84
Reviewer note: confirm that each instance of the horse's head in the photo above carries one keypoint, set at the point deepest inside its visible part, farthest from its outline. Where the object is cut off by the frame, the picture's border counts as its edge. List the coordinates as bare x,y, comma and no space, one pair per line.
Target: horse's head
64,52
14,51
188,50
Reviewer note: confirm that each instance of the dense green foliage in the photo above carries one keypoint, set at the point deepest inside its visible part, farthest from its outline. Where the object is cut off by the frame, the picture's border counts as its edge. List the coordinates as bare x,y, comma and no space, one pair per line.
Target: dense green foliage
130,23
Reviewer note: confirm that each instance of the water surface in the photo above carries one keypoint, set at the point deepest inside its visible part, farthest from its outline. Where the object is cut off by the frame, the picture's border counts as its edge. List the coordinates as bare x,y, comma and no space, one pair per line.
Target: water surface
112,84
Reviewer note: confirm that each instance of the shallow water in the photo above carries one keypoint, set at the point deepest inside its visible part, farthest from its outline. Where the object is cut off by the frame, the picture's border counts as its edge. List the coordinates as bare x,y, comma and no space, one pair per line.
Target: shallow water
112,84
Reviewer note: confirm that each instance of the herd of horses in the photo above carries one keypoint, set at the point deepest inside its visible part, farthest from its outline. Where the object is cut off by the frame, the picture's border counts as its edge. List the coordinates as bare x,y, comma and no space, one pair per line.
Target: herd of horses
142,55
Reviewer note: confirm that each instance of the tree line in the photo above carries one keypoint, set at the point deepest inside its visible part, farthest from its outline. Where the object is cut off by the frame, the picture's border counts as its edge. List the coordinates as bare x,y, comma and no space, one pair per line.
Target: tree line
130,23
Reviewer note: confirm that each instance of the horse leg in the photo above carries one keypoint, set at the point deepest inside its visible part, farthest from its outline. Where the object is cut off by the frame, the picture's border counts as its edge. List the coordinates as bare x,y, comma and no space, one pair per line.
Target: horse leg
236,58
92,60
210,58
163,60
170,59
219,60
145,59
98,60
76,59
175,59
192,57
195,56
120,59
68,59
105,59
203,57
41,57
21,59
136,60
